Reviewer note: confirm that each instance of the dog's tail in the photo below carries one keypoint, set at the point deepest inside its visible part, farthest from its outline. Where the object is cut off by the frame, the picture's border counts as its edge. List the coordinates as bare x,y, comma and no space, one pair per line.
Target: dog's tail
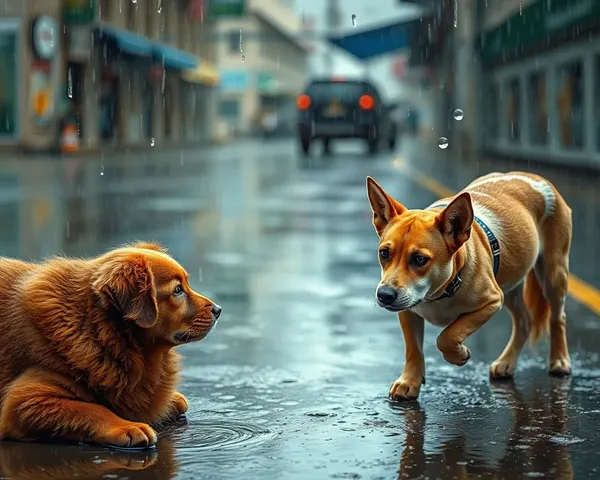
537,306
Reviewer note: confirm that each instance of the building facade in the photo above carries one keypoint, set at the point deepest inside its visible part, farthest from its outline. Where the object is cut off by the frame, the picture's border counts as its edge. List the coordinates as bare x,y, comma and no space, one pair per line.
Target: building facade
262,62
526,73
129,73
541,63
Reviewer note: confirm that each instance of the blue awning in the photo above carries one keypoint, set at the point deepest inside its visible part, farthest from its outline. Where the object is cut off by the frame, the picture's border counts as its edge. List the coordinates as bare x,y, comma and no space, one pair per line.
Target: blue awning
133,44
126,41
174,58
388,38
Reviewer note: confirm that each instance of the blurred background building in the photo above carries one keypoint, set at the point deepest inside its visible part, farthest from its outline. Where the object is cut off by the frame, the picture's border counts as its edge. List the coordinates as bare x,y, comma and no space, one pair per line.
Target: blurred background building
160,72
262,62
131,72
525,73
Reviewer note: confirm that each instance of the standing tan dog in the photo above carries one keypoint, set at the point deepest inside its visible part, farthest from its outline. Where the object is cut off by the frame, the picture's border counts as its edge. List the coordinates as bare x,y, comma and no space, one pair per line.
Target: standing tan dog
504,239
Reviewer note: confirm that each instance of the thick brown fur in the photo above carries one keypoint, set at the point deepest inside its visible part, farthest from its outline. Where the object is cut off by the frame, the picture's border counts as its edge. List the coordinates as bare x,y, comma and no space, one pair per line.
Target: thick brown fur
86,345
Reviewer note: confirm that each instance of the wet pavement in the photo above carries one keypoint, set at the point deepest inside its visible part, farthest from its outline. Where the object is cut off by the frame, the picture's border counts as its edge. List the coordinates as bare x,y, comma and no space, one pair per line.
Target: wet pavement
293,382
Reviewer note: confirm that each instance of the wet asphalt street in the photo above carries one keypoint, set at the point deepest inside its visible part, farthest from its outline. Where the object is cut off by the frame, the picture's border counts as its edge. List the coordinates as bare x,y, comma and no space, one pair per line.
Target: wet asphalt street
293,382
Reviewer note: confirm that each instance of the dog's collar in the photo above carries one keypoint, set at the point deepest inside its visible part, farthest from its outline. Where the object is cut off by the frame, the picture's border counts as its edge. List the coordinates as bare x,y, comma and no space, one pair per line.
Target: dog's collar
456,282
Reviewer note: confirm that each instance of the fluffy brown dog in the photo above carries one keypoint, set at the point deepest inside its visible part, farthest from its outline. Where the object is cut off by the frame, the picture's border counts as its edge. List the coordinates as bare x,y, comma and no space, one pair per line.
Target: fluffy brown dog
86,346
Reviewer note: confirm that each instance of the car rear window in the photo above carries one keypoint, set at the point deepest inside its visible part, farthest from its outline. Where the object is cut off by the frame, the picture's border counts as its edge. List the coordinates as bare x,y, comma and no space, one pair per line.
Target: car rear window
342,90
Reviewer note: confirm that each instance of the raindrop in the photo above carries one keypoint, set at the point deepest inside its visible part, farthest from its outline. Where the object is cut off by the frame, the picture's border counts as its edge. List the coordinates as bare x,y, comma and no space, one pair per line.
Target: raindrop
354,20
455,19
241,50
159,6
520,8
443,143
70,84
102,170
458,114
133,1
152,142
243,58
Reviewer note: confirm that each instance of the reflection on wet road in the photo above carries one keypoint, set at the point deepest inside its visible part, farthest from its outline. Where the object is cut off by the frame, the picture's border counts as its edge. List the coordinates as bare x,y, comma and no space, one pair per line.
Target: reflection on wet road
293,381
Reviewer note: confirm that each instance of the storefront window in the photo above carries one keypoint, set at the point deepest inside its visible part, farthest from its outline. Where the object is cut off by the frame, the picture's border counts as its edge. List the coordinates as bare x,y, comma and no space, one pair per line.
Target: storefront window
537,111
513,107
569,104
229,108
8,82
493,94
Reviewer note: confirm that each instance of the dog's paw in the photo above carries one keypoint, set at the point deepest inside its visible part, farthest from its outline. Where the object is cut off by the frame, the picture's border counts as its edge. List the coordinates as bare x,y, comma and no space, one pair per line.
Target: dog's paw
405,388
502,369
130,435
458,357
560,367
179,404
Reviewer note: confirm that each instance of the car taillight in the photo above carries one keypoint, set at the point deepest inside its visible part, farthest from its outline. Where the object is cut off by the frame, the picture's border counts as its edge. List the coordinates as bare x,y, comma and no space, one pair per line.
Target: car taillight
303,102
366,102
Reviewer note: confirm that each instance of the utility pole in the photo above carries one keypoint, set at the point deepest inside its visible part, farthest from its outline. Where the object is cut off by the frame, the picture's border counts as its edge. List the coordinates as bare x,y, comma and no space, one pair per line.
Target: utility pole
333,18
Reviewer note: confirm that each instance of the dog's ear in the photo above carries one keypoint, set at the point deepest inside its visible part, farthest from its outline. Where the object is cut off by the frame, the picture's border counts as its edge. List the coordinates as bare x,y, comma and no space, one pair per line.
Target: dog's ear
455,221
156,247
384,207
126,282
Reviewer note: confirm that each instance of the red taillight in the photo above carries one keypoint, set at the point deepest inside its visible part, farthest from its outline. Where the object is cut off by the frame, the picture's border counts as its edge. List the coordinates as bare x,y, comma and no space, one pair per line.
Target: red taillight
366,102
303,102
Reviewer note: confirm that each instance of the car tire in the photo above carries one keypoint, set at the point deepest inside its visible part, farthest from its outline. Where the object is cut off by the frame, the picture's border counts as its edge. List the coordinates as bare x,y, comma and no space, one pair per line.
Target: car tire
392,144
305,145
373,146
327,146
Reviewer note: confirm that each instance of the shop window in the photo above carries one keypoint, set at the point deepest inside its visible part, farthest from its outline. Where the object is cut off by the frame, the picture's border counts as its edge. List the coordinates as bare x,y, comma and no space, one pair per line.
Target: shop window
569,104
513,110
229,108
493,93
234,41
8,82
537,110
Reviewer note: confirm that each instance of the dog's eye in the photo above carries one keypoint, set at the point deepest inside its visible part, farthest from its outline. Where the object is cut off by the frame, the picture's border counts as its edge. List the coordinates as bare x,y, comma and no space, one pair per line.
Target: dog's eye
384,253
178,291
418,260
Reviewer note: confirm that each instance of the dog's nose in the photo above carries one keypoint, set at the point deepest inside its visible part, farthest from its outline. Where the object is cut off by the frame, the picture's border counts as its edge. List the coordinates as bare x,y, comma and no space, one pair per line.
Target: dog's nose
386,295
216,311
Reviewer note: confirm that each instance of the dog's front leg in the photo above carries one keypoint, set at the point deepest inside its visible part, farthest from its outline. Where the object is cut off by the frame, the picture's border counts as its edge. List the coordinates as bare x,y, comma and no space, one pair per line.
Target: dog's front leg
450,341
40,404
179,405
408,386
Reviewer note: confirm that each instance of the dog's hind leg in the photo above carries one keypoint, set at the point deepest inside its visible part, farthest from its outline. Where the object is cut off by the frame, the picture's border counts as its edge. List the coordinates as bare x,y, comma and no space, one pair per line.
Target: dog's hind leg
552,270
41,405
504,366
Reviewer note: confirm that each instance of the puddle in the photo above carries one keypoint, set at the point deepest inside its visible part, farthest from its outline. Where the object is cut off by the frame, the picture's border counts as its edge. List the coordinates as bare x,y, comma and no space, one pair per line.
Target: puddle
215,438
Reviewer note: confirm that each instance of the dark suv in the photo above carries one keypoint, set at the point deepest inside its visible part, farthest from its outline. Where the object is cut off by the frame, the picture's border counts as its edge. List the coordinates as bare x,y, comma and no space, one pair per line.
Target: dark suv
335,108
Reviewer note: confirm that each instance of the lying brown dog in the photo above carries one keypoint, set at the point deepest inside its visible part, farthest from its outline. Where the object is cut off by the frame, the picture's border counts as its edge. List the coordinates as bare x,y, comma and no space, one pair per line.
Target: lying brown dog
86,346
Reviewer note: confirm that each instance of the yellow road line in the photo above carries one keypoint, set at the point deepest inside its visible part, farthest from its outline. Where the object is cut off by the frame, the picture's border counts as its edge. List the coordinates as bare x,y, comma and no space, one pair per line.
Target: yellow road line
581,291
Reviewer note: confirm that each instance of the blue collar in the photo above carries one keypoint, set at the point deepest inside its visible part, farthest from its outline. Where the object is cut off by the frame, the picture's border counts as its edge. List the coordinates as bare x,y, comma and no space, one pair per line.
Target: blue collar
495,246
